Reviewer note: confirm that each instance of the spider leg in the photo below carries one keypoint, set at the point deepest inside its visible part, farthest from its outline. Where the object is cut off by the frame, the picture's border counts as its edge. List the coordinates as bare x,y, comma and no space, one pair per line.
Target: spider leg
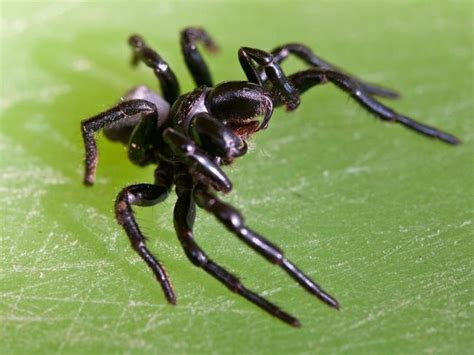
184,214
305,80
285,89
194,61
215,137
143,195
234,222
200,165
309,57
164,74
89,126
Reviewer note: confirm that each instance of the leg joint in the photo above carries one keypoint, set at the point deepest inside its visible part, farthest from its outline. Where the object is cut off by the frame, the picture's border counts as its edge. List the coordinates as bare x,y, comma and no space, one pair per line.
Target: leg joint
197,257
228,215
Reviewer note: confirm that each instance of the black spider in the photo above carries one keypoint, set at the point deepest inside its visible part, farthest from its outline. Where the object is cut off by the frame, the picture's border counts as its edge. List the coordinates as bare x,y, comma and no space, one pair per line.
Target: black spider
191,136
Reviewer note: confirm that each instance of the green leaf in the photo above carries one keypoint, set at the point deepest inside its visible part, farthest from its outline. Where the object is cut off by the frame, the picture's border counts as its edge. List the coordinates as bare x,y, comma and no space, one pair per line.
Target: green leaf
379,216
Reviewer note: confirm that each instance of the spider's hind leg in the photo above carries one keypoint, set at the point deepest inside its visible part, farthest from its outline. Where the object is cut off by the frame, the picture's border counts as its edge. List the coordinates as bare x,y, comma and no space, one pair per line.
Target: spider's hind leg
234,222
164,74
194,61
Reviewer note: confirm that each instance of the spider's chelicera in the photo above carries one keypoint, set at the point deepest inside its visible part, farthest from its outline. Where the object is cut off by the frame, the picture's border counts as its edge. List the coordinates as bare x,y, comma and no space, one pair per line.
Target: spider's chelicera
190,137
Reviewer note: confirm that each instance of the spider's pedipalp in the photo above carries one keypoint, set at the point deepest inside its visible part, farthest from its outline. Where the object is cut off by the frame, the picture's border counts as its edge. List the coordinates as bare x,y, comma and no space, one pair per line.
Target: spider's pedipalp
200,165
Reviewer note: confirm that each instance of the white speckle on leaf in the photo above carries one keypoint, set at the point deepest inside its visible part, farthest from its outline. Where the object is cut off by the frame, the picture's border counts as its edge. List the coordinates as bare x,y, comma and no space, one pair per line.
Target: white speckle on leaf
357,170
15,26
81,65
44,95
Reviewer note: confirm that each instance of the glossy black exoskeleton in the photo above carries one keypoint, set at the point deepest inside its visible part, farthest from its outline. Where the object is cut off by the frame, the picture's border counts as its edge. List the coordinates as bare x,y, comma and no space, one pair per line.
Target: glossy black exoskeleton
190,137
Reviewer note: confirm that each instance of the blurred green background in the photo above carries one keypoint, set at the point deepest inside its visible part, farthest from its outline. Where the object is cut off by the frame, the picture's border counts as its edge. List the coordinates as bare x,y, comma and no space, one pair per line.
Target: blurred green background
380,216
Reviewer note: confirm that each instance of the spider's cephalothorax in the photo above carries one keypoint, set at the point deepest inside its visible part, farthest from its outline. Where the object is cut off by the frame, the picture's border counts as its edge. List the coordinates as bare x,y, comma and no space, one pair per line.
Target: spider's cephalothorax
191,136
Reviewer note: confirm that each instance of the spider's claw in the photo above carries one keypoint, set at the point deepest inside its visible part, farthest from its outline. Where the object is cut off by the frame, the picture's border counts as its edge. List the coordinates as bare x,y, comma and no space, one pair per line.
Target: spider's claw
267,306
167,289
213,48
90,169
136,41
427,130
448,138
296,323
329,300
171,298
289,319
88,181
308,284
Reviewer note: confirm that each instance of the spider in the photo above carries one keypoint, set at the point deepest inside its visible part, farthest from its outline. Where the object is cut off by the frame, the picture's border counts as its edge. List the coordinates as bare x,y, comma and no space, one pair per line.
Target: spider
191,137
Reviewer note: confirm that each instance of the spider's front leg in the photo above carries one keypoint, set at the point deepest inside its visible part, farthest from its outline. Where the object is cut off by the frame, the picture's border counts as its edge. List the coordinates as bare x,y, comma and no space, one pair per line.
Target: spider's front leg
89,126
307,79
309,57
145,195
285,89
184,215
234,222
